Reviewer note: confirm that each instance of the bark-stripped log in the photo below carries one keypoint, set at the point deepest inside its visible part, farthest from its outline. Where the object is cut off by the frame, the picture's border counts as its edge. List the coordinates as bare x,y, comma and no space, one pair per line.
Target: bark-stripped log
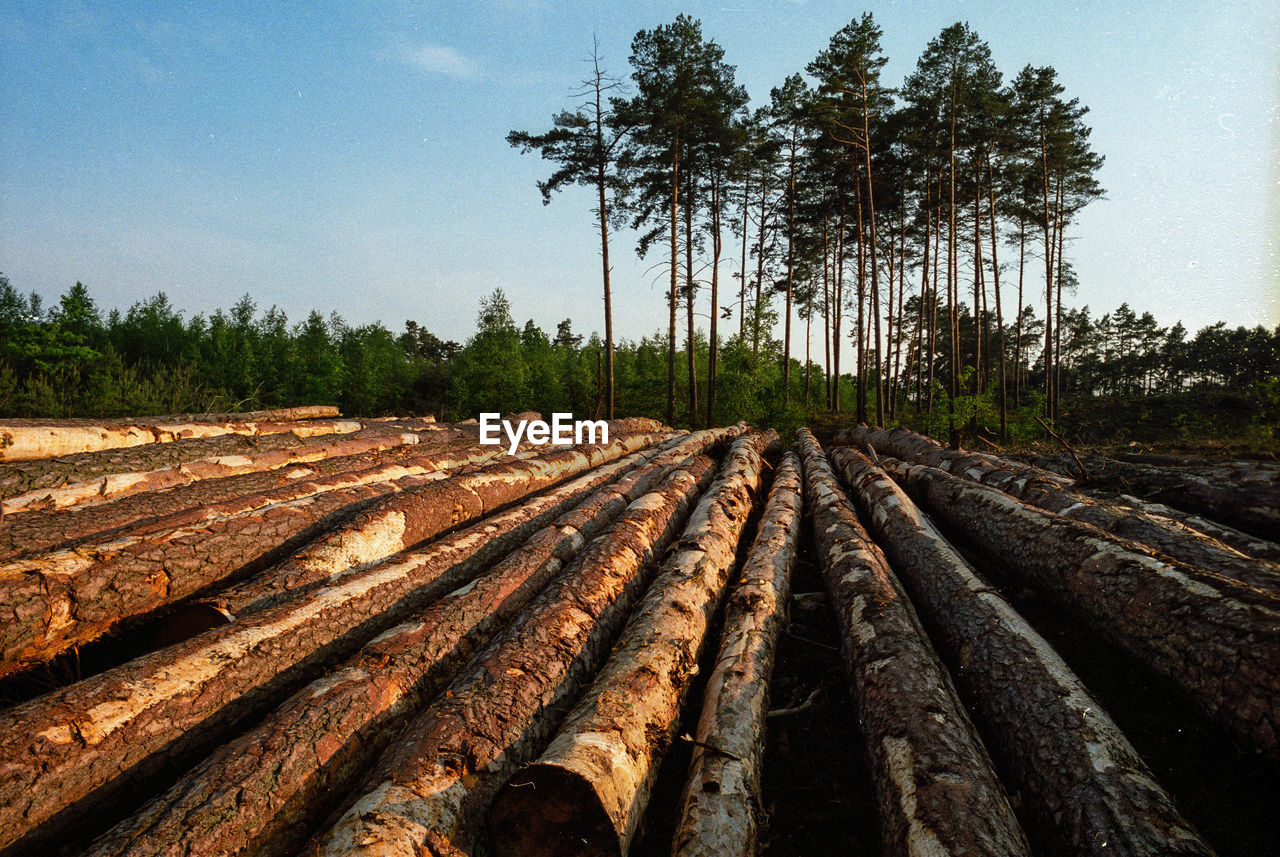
593,781
104,489
1171,538
722,807
64,598
934,781
205,500
500,711
22,440
1082,784
78,745
263,789
1216,638
403,520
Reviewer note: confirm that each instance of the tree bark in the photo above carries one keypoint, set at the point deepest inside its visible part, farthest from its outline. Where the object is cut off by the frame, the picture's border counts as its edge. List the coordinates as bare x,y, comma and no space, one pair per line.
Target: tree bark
96,491
1171,538
27,483
1214,637
936,787
403,520
594,779
1252,506
147,505
79,746
1083,786
723,808
1241,541
260,792
67,598
23,440
438,778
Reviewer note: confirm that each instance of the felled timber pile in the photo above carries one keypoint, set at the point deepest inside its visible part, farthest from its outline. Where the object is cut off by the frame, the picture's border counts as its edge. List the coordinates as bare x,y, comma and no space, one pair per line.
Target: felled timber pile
287,633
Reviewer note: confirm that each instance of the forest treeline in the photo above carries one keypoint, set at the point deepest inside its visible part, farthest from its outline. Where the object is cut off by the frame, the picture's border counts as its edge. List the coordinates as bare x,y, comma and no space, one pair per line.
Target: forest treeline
71,360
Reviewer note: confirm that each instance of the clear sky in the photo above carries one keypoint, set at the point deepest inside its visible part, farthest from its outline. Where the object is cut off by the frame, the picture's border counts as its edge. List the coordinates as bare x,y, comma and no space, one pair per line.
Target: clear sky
351,156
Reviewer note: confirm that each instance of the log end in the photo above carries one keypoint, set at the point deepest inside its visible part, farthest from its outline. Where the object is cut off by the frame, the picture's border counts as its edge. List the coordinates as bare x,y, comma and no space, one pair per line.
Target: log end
548,811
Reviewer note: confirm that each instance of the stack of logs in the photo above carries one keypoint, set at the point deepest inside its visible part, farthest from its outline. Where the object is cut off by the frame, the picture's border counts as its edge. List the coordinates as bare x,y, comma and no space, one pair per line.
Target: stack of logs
286,633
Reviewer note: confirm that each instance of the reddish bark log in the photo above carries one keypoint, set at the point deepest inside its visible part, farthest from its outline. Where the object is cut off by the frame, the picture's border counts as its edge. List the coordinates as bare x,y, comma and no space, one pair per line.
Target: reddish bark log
499,712
74,748
22,440
405,519
1083,784
259,792
120,483
935,784
722,809
64,598
1214,637
593,781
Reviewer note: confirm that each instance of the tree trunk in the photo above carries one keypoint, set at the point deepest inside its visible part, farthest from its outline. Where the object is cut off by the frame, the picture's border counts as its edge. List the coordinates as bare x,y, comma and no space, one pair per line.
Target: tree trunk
1237,539
596,774
861,343
691,289
27,439
713,345
70,597
838,324
1215,638
1172,539
1252,506
1084,788
722,810
936,789
995,278
406,519
70,749
675,278
93,478
269,786
442,772
36,529
791,267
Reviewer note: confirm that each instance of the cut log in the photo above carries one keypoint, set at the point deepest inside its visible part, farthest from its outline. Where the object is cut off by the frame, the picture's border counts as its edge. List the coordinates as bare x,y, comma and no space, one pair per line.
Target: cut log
264,789
405,519
1083,786
22,440
905,444
64,598
1214,637
78,746
71,597
1241,541
722,810
103,489
1251,505
501,709
593,781
155,511
1169,537
935,784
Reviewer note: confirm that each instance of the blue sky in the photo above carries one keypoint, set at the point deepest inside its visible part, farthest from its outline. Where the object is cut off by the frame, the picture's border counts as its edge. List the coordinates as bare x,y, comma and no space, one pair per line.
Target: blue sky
350,157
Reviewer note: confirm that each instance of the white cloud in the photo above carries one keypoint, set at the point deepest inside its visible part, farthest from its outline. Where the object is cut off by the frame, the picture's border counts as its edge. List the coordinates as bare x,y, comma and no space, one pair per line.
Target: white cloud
441,59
